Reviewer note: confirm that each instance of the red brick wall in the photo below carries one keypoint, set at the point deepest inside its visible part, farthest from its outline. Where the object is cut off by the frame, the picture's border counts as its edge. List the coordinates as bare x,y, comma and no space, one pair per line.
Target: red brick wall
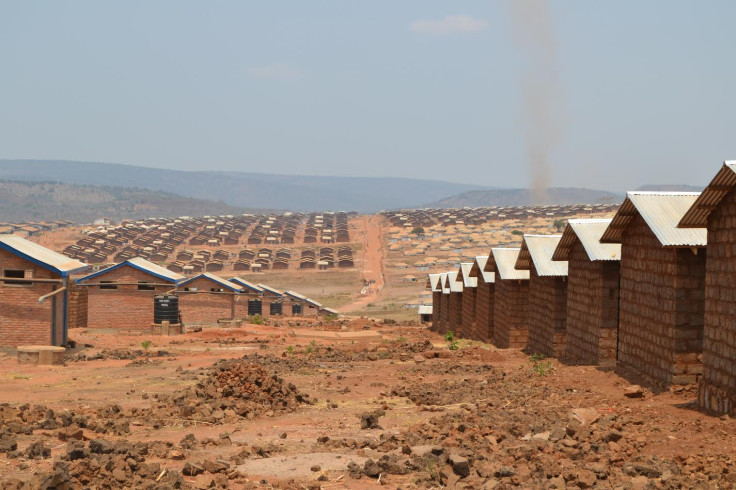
445,314
484,311
205,307
592,309
547,314
510,313
77,306
22,319
661,307
717,390
124,308
456,314
469,326
436,310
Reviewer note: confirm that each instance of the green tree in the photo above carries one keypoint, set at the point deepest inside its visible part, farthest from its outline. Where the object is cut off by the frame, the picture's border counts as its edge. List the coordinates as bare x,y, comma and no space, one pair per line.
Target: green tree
418,230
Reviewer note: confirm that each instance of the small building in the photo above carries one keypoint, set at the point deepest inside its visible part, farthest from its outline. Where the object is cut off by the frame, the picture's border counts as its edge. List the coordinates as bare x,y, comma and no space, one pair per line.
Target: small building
34,293
592,292
510,299
433,284
469,298
484,298
301,305
662,292
206,298
250,301
121,296
425,313
455,304
444,325
547,294
272,301
715,210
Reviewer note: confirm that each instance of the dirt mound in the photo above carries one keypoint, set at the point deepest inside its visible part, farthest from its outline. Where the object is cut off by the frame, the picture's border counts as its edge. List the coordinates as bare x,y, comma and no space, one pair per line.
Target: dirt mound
449,392
118,354
238,389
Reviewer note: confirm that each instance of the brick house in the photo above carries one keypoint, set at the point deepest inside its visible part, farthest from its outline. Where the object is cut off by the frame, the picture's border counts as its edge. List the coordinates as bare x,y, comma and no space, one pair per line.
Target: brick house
469,296
510,299
301,305
273,301
715,210
433,284
445,305
121,296
547,294
484,298
592,292
455,304
662,292
206,298
250,301
30,312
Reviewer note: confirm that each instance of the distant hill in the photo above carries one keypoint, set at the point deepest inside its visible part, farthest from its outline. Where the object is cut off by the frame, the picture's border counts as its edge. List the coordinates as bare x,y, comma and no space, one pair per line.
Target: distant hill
243,189
672,188
35,201
525,197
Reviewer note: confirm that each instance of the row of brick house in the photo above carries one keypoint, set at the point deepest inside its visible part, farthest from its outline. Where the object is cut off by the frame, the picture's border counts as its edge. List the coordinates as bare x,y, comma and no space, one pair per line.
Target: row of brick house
650,291
40,300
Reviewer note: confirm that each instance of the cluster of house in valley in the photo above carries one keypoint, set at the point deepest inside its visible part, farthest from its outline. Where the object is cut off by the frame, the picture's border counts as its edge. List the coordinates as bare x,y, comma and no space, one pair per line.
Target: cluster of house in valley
649,292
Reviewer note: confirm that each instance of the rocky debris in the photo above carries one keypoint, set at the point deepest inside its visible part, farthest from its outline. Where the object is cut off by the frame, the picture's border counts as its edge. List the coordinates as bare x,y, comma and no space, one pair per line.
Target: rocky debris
449,391
118,354
369,420
634,391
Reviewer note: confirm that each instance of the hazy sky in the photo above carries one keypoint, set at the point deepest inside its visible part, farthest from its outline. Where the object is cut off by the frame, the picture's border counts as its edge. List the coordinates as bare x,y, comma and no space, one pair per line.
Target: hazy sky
626,93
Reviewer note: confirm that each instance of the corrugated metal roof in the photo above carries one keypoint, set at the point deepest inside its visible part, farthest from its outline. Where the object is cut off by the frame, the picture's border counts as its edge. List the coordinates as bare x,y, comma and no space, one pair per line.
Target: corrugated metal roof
140,264
270,289
723,183
42,256
208,275
243,282
443,283
433,282
452,283
424,310
661,211
478,270
588,232
464,275
296,295
504,261
538,249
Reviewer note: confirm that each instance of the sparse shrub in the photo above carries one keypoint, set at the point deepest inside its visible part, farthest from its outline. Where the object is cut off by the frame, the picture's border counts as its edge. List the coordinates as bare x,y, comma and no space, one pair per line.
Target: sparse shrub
453,345
540,367
257,320
146,344
449,336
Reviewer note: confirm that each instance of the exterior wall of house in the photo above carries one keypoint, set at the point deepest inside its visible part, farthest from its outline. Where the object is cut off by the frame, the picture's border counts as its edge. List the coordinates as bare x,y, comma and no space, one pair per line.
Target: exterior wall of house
484,311
592,309
547,314
436,309
717,389
77,307
23,321
510,313
124,308
469,322
661,307
205,307
445,314
456,314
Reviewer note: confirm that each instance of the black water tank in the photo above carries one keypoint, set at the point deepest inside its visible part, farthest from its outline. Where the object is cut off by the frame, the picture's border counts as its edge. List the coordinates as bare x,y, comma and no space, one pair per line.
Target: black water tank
165,309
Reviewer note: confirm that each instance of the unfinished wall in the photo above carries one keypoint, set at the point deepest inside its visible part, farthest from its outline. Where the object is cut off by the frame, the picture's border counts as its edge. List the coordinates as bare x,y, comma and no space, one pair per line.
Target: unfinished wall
510,313
484,311
444,314
469,326
205,307
717,390
22,319
547,314
661,307
592,309
124,308
436,310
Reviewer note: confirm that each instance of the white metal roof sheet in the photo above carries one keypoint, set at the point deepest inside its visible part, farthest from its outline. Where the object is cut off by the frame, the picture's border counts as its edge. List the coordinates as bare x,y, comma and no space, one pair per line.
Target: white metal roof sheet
464,275
588,232
478,270
538,250
443,283
41,255
147,265
452,283
723,183
242,282
662,211
424,310
433,282
504,261
223,282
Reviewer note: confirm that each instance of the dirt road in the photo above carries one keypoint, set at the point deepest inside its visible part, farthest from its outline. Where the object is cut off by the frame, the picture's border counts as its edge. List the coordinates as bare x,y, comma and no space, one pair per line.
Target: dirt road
374,251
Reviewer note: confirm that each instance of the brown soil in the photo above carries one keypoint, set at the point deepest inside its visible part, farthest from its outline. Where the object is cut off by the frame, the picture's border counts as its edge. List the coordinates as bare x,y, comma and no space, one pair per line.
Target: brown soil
271,407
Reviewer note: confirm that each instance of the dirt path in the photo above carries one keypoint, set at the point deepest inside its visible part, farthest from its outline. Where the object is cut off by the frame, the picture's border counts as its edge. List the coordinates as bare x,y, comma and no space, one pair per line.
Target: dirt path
374,250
